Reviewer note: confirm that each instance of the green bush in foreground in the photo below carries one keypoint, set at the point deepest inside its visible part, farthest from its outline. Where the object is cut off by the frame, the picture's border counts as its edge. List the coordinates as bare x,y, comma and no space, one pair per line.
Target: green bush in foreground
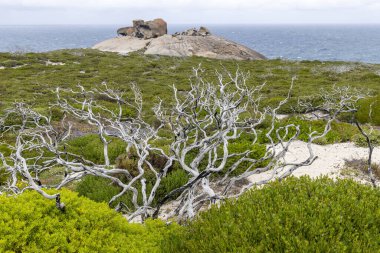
102,189
297,215
361,141
31,223
90,147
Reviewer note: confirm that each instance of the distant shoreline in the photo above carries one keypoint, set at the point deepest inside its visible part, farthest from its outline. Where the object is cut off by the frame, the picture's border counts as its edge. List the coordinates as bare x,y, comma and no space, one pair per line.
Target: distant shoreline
349,43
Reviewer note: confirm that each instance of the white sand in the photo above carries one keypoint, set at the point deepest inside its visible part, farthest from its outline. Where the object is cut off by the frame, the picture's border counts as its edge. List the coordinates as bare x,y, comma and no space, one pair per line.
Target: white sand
329,162
48,63
19,66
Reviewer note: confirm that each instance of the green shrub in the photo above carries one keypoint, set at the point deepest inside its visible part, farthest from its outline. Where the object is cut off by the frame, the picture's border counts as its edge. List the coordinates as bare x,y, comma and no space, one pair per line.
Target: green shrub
101,189
241,145
128,162
57,114
364,109
173,180
296,215
3,176
340,132
361,141
31,223
11,63
90,147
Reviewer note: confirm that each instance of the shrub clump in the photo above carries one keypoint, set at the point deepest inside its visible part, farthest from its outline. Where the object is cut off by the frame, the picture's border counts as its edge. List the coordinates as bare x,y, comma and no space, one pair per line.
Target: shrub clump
31,223
361,166
361,141
102,189
296,215
90,147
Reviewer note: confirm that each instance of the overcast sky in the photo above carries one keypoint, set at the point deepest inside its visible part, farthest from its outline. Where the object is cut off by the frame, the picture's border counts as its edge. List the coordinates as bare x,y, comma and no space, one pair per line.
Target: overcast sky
190,11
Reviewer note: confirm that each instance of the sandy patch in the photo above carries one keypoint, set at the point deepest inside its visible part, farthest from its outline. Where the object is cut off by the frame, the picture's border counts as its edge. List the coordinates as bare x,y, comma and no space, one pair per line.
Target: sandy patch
317,115
330,161
50,63
19,66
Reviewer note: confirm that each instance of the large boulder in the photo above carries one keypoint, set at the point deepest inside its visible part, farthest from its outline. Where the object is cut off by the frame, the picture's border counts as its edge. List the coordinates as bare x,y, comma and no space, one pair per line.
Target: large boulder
158,27
138,22
145,30
204,46
126,31
203,31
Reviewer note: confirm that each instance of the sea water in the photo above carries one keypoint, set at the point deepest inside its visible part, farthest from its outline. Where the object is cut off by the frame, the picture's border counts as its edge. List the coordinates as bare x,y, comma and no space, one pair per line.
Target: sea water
294,42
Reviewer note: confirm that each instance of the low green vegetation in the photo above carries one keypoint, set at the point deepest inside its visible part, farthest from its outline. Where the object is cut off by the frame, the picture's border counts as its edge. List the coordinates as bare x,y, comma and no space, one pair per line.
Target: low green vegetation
340,131
33,80
31,223
373,134
102,189
296,215
90,147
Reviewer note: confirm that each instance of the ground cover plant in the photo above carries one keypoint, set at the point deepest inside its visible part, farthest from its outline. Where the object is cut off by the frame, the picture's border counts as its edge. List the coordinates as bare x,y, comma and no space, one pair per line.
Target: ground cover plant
296,215
141,134
201,130
30,224
34,81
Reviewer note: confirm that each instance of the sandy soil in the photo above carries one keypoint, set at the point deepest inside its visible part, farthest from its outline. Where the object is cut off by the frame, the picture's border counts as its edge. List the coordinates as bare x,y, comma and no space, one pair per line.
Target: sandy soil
331,159
48,63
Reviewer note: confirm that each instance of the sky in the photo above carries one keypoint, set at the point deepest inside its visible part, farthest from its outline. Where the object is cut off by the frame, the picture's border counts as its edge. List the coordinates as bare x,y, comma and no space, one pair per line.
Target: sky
51,12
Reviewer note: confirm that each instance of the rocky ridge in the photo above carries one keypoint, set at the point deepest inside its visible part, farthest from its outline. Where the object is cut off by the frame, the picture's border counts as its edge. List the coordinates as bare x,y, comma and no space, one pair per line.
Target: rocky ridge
151,38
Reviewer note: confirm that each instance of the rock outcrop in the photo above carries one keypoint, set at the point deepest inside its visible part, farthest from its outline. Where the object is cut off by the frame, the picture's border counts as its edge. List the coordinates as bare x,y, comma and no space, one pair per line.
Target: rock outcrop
191,42
145,30
205,46
203,31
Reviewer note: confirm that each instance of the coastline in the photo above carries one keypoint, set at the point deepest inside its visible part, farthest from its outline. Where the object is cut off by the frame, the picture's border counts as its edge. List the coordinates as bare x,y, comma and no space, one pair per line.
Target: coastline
287,42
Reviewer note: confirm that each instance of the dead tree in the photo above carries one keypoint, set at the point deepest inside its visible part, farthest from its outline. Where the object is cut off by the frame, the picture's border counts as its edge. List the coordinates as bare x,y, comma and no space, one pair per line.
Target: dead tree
28,155
208,117
133,131
203,121
34,133
370,146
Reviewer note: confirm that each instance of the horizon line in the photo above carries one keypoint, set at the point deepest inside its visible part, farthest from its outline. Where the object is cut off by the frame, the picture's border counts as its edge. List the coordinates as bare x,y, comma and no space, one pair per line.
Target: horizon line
196,23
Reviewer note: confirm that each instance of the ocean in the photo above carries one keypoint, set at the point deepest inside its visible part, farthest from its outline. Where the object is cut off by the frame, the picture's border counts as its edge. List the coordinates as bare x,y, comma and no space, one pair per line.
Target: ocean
359,43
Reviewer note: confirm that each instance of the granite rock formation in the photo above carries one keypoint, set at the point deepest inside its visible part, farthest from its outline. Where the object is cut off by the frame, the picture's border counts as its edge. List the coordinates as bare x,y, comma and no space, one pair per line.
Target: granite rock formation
150,38
145,29
203,31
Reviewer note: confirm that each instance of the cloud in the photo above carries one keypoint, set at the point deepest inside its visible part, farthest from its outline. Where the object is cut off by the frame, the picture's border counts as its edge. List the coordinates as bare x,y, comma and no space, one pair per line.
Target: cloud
189,11
194,4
